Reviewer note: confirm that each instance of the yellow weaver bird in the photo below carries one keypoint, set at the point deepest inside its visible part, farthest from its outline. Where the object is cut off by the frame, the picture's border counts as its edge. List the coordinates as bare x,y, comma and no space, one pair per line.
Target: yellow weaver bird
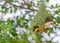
37,29
42,20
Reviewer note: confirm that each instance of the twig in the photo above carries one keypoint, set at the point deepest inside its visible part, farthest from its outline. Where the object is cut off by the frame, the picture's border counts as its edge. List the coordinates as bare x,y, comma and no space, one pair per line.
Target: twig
32,9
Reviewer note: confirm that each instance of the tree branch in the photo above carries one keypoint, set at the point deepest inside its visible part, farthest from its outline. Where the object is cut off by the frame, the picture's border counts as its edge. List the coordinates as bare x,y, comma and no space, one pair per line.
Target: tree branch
32,9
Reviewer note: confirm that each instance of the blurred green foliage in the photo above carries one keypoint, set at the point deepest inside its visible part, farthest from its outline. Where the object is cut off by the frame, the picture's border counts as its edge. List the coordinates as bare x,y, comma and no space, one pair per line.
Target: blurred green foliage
8,32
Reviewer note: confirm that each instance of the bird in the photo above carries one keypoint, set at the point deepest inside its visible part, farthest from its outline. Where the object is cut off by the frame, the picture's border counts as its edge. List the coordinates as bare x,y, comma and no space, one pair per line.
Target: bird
42,19
37,29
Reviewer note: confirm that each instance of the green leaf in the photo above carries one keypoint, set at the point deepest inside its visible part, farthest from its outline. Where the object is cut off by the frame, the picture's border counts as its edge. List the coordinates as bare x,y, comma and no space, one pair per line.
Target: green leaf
26,20
56,5
31,3
50,30
15,9
56,12
49,33
48,41
4,9
19,20
52,6
10,10
13,32
15,0
57,19
10,1
47,0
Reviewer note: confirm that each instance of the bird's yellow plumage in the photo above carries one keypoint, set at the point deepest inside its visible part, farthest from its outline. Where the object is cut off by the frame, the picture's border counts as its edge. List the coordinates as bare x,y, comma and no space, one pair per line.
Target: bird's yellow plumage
38,30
